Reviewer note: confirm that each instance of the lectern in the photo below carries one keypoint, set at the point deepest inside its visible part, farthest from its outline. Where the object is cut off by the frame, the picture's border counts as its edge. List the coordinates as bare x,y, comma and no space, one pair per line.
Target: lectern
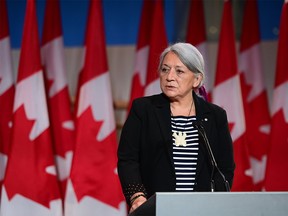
216,204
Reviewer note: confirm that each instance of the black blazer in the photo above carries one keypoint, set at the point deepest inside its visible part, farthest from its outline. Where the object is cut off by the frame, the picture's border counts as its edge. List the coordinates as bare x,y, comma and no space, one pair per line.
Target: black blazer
145,148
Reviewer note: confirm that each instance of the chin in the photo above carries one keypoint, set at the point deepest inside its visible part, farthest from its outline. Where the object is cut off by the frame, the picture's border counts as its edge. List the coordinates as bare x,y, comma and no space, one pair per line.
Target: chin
169,94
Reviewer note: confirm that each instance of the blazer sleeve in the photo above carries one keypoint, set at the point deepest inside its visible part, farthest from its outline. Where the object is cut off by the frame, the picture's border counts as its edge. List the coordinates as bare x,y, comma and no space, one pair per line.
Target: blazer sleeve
128,153
225,157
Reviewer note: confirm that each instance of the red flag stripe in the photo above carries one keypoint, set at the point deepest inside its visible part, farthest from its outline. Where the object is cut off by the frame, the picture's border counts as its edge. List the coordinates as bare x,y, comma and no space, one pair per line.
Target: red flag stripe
196,21
228,69
96,48
29,62
4,30
281,64
142,50
53,23
158,41
145,24
250,24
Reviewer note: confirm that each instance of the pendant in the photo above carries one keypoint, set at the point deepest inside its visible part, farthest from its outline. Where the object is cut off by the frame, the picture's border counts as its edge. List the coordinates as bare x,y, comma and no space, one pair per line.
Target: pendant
180,138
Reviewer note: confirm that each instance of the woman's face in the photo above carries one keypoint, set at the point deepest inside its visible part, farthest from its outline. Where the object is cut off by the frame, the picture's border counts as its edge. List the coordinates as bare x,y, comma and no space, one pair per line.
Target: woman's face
176,80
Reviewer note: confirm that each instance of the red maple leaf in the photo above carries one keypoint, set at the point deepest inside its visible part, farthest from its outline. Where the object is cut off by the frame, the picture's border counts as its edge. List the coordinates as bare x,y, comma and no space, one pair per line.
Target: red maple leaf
60,113
256,115
26,172
93,170
6,101
276,179
138,89
231,125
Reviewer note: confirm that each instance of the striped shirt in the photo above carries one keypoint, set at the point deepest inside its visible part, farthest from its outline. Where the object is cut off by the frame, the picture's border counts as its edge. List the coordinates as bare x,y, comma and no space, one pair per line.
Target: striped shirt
185,157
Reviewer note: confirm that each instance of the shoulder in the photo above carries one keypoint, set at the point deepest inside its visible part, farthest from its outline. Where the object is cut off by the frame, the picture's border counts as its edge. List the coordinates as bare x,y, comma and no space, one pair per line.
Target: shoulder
205,107
153,100
216,108
145,105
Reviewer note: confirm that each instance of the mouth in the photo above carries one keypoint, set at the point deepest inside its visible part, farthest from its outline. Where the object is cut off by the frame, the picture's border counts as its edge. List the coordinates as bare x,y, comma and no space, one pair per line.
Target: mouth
169,87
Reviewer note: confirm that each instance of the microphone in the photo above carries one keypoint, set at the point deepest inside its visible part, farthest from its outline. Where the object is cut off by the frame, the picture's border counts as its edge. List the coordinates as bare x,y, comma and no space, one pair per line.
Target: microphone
202,132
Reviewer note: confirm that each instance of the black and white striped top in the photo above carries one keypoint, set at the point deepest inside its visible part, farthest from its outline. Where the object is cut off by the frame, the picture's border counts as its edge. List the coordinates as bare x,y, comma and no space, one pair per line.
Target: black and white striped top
185,157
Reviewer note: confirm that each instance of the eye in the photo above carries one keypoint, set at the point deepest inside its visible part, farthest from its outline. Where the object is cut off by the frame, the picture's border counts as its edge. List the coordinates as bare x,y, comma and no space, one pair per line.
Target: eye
179,72
164,70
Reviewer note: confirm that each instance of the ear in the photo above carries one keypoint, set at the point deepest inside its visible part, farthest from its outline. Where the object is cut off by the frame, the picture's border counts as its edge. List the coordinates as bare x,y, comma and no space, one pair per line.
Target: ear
197,80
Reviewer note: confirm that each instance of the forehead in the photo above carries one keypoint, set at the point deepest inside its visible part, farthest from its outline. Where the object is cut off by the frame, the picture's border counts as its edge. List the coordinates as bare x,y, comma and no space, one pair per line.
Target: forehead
171,59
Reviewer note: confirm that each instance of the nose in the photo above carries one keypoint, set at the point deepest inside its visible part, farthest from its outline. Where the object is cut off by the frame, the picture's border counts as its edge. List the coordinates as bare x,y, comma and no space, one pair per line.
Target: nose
171,75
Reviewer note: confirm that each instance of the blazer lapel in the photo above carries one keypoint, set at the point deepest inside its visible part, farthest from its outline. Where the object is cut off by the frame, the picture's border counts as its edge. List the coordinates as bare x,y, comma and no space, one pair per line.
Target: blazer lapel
162,108
202,114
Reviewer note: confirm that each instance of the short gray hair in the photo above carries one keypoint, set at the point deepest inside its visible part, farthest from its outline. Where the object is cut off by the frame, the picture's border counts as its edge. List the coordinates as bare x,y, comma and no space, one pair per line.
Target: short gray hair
189,55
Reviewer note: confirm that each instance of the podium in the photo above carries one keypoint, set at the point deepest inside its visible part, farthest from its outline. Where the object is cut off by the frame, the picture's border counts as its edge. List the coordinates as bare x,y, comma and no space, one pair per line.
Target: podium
217,203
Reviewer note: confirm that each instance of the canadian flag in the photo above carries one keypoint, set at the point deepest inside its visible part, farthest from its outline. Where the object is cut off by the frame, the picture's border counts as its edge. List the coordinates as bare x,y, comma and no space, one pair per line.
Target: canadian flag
6,91
227,94
158,42
277,164
255,99
30,185
62,124
142,52
94,185
196,20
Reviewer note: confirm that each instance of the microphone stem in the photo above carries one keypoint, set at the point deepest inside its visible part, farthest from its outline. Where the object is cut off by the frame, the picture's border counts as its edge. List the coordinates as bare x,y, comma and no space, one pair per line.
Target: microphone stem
213,161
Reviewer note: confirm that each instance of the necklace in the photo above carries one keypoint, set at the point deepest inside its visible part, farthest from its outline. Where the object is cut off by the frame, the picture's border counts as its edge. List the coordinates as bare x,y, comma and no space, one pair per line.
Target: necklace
180,138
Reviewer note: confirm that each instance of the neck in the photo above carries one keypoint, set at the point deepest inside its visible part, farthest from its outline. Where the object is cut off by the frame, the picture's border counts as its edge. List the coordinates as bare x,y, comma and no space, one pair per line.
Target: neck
184,108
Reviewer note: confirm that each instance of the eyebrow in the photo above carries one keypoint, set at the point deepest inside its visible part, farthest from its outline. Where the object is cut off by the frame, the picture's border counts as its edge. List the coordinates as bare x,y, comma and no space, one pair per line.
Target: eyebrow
177,66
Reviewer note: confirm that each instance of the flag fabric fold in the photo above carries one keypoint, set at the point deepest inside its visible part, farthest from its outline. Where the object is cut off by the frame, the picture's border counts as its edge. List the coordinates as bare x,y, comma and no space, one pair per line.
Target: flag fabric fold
227,80
254,94
196,20
152,40
62,124
158,42
30,185
277,164
94,185
7,90
142,51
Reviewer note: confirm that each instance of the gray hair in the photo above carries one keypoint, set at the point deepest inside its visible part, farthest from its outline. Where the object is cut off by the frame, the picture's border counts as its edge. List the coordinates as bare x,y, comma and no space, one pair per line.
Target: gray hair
189,56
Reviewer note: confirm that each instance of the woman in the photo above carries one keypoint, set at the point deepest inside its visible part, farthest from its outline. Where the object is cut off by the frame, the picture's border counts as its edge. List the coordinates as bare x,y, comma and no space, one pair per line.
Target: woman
161,148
